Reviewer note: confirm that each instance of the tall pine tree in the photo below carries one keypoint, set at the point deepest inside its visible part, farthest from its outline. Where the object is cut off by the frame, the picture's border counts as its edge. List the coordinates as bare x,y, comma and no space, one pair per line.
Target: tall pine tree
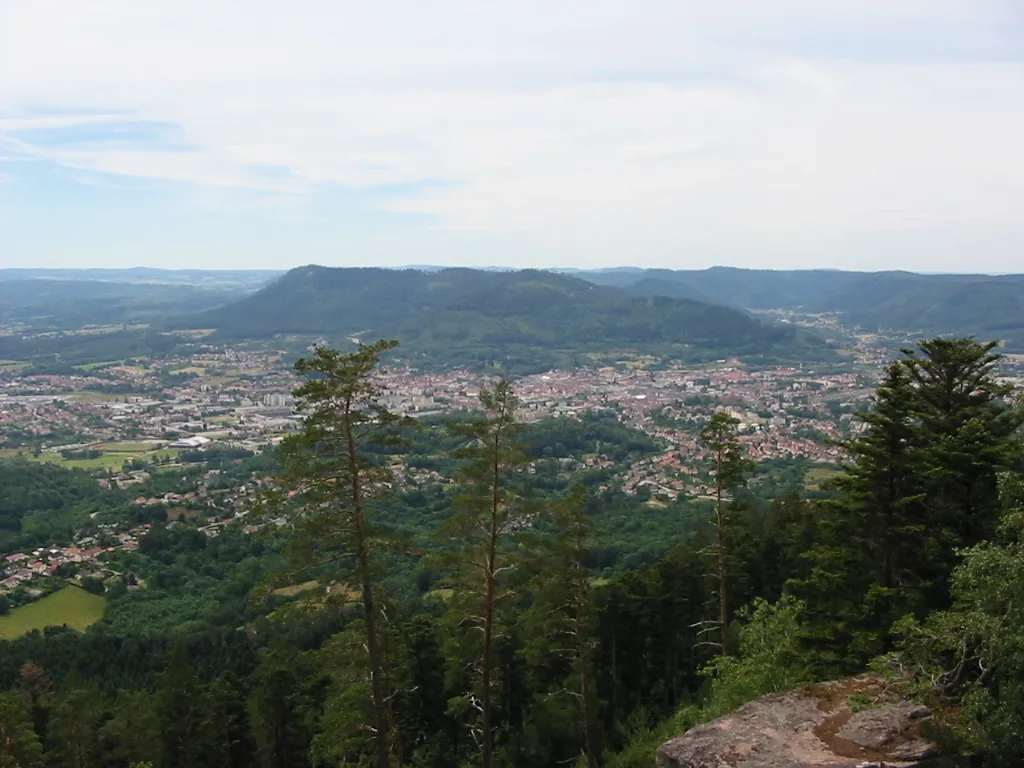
488,517
335,492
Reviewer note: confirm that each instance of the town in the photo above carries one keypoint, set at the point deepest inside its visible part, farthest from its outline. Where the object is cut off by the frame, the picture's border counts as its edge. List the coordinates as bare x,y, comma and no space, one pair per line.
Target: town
124,420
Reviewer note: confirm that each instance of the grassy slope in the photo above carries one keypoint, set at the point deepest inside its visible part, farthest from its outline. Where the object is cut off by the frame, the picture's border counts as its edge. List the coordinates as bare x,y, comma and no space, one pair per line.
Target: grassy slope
72,606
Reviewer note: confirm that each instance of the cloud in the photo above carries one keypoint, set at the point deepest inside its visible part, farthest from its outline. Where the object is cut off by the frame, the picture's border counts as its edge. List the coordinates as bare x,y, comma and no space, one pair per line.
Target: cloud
600,131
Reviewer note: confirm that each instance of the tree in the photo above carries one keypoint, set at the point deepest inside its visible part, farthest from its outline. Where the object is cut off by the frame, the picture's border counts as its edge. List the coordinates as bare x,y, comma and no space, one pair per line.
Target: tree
487,518
563,612
973,653
74,732
19,743
920,485
131,736
967,428
280,709
721,439
228,725
864,574
181,708
336,487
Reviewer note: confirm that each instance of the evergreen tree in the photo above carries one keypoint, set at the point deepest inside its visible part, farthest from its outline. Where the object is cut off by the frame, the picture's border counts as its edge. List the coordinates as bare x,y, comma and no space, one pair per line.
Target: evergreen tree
74,733
281,710
863,575
561,618
966,437
720,438
920,485
131,735
19,743
488,516
336,488
973,653
231,743
181,709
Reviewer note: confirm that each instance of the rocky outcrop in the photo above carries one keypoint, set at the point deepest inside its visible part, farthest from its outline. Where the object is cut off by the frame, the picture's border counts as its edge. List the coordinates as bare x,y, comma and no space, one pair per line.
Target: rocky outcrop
813,727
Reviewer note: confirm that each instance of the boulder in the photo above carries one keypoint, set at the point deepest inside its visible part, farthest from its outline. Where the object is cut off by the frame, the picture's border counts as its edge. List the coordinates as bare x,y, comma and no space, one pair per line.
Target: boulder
813,727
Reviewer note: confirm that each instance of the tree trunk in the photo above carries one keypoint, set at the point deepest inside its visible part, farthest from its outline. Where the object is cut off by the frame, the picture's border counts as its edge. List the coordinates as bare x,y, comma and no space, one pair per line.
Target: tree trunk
492,552
589,737
382,750
723,614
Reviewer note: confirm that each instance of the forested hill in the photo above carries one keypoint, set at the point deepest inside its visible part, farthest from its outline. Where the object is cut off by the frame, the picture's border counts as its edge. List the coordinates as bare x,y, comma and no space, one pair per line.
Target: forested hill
471,316
988,306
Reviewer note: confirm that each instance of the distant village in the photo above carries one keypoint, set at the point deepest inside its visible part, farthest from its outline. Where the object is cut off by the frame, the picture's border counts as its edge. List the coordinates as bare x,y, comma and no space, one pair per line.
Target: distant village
242,399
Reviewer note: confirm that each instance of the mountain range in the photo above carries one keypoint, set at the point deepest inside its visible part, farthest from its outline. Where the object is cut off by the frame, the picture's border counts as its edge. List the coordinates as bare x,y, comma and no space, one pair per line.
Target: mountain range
516,319
986,306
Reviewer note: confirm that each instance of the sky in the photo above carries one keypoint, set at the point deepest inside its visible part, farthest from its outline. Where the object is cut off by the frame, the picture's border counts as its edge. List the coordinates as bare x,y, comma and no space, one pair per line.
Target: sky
854,134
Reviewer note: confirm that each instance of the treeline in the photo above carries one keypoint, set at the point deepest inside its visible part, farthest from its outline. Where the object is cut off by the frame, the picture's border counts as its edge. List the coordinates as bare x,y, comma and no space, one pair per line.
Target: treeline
512,652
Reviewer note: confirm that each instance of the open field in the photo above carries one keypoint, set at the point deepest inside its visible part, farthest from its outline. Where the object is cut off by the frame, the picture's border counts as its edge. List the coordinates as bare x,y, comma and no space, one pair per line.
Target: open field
72,606
816,476
129,447
94,366
88,396
111,459
196,333
294,589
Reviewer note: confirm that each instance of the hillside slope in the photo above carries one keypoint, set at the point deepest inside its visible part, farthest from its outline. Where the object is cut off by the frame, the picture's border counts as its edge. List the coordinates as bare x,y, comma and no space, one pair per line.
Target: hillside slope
988,306
528,318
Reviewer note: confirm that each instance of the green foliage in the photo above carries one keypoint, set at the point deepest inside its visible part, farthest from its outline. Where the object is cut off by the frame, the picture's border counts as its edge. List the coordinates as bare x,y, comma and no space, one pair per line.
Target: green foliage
19,743
482,536
512,322
974,652
769,659
920,486
989,306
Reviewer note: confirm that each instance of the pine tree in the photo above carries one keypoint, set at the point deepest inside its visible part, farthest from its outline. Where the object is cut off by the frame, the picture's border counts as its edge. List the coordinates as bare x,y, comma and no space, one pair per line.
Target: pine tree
487,519
19,743
966,428
336,488
131,736
231,743
720,438
562,614
919,485
862,570
74,732
281,709
181,709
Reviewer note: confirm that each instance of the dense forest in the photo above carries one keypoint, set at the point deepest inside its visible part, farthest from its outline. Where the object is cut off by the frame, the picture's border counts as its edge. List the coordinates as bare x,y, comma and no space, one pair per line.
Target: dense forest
987,306
485,319
500,621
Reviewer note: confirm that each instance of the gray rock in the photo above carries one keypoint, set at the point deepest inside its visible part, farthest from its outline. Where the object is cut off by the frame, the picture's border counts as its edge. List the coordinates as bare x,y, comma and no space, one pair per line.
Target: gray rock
812,727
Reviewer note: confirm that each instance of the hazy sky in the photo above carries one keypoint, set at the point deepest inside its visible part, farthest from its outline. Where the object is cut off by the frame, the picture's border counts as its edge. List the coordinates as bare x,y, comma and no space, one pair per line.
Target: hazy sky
865,134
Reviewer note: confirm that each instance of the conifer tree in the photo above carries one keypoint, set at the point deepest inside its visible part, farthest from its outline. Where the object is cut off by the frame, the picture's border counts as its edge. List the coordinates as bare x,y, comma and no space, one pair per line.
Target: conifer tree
74,732
488,517
231,743
19,743
180,705
336,489
862,577
920,484
720,438
562,612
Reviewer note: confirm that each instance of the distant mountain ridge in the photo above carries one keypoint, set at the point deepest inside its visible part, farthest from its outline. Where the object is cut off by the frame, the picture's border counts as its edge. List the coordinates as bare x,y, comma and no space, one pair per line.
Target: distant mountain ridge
526,318
987,306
